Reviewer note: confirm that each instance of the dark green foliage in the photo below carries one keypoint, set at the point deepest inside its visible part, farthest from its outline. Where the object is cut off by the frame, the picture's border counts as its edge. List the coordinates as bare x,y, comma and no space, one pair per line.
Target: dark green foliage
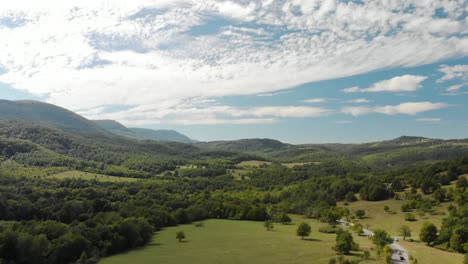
405,232
375,191
462,182
410,217
303,230
428,233
268,225
360,213
180,235
71,220
344,242
381,238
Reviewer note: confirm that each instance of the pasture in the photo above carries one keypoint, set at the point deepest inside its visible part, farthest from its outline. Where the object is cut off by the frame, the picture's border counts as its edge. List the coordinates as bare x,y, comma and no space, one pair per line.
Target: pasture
229,241
90,176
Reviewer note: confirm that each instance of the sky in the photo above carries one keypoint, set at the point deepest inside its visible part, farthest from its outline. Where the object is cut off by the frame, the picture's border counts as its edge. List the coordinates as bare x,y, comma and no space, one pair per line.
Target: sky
301,71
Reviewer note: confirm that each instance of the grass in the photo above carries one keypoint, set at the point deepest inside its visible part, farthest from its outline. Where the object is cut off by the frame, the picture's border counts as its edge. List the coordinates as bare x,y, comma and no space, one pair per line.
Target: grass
376,217
425,254
228,241
258,163
253,163
91,176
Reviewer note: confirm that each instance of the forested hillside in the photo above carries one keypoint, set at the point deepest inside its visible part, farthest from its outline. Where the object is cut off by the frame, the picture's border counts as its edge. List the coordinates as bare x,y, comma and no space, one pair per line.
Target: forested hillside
80,220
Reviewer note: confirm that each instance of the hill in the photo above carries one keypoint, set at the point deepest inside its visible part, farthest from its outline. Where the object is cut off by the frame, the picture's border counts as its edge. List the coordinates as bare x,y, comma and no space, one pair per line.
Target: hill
254,145
48,115
142,133
160,135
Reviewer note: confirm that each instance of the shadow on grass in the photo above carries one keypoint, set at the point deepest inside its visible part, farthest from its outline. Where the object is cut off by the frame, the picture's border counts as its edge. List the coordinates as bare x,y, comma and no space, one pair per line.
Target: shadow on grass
312,239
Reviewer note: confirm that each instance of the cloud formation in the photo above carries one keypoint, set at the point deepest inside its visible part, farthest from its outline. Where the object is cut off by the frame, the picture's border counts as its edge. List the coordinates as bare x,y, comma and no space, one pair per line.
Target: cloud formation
405,83
409,108
209,114
315,100
428,120
359,101
459,72
89,54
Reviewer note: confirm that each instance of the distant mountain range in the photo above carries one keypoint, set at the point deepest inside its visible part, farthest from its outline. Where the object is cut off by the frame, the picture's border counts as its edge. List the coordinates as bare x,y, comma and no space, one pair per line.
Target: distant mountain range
48,115
60,118
142,133
27,116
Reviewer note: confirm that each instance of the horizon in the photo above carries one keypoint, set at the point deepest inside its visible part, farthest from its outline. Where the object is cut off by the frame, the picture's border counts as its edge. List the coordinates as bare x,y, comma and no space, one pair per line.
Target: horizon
297,72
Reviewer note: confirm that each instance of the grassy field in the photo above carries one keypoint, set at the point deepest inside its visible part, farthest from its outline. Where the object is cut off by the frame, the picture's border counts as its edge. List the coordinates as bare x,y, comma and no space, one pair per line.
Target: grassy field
377,218
257,163
91,176
227,241
425,254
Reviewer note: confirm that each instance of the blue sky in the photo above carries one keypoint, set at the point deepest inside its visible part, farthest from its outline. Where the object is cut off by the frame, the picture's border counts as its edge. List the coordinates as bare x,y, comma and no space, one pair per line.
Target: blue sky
297,71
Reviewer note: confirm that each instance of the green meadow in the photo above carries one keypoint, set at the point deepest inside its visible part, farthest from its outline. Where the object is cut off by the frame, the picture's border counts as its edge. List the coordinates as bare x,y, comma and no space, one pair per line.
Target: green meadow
91,176
229,241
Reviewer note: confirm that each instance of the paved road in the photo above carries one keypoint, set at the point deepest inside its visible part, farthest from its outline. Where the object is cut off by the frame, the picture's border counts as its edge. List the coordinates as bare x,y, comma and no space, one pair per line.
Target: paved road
398,250
367,232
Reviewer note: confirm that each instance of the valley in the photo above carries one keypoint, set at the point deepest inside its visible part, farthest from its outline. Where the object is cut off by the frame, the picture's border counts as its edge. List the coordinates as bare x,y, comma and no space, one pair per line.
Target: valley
73,192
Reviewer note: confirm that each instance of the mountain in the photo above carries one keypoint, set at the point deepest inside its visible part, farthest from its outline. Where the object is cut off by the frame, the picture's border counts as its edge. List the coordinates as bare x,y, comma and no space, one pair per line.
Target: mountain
160,135
142,133
115,128
48,115
255,145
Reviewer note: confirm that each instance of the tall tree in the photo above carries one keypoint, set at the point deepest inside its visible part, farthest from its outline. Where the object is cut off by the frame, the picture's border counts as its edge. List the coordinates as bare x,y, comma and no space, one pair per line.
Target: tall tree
428,233
405,231
303,230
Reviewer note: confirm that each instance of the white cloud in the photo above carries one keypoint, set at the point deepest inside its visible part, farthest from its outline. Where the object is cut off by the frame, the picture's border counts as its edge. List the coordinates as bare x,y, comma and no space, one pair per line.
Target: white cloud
91,53
359,101
315,100
190,113
409,108
272,94
453,72
405,83
343,122
454,88
428,120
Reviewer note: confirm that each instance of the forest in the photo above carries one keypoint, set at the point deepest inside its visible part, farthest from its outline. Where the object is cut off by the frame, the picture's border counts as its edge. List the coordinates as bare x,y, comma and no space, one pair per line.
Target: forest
47,220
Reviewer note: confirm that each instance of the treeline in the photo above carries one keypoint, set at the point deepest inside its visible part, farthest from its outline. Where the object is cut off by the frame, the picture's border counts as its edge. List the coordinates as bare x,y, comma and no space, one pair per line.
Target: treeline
35,145
52,221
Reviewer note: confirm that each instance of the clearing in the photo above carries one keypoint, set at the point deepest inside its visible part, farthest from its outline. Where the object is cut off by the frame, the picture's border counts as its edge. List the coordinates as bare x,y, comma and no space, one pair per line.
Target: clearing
91,176
229,241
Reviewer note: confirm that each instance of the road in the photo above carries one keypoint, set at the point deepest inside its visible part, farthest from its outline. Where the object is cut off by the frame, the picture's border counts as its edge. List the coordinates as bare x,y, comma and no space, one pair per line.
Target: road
398,250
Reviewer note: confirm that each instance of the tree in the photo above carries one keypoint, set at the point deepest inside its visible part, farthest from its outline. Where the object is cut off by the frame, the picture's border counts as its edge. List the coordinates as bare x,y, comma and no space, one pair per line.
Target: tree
268,225
428,233
405,231
180,235
344,242
462,182
285,219
410,217
381,238
303,230
388,251
386,208
350,197
360,213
